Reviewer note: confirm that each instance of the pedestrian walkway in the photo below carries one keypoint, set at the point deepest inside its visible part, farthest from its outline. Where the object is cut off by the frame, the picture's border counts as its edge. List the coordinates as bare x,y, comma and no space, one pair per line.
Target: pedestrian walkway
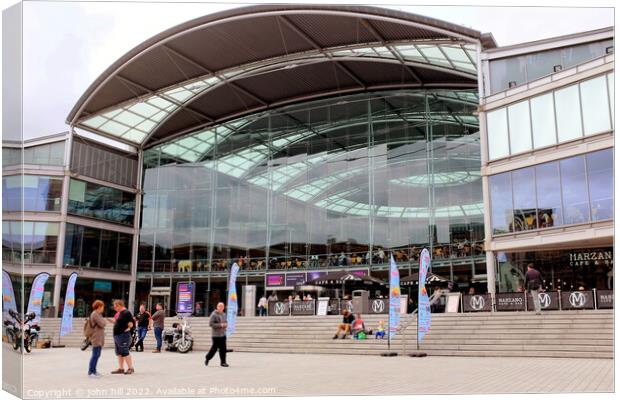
61,372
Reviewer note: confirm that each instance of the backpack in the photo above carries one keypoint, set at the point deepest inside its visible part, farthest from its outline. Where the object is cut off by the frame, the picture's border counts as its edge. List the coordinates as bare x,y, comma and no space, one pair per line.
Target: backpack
89,329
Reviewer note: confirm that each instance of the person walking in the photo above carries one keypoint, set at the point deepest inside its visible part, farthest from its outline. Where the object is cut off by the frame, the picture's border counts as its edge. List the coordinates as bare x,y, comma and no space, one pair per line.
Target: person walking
218,325
122,338
158,325
262,307
533,283
143,318
97,336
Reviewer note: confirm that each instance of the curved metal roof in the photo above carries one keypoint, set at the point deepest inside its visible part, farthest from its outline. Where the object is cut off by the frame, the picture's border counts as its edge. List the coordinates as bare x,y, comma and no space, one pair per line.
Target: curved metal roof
240,61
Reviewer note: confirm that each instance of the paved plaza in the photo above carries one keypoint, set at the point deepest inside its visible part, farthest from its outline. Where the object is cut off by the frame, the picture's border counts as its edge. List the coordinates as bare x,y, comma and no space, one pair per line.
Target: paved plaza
61,372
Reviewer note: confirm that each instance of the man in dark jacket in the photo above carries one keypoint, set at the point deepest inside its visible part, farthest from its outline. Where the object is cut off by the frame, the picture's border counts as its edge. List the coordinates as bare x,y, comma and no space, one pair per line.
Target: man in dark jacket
218,325
533,283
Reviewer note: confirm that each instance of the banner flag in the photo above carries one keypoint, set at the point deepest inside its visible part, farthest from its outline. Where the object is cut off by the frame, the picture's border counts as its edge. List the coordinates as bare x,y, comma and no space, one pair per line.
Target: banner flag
394,297
66,325
8,295
36,296
424,307
232,306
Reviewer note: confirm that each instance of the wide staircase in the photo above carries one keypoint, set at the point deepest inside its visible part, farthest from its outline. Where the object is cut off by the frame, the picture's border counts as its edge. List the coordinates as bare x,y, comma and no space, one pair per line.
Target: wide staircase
573,334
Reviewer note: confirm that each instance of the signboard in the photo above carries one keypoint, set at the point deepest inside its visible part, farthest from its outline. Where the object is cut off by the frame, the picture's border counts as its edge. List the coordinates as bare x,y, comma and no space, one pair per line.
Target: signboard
404,301
102,286
394,304
424,307
296,278
452,302
185,297
477,302
334,307
378,306
278,308
510,301
66,324
548,301
312,275
604,299
359,272
591,258
301,307
322,306
578,300
232,304
36,295
272,280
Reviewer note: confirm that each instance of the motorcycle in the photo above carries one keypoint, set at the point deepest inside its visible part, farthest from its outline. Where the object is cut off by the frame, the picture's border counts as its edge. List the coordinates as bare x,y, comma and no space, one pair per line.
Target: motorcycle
19,331
179,338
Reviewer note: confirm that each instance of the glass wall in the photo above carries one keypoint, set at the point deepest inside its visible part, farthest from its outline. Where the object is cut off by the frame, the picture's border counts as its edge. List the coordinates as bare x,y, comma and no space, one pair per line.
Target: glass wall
34,241
570,191
565,114
91,200
575,269
97,248
40,193
333,182
45,154
529,67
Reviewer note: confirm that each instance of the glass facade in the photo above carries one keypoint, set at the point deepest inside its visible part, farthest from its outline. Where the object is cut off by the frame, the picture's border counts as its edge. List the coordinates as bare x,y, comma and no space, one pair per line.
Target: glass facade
529,67
102,202
97,248
587,268
565,114
39,193
333,182
570,191
29,242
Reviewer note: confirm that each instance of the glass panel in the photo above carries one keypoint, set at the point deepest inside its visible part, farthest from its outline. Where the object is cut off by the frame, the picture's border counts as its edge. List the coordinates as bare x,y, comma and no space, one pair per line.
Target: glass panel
505,71
501,203
601,184
611,88
568,113
520,133
574,190
549,198
91,200
595,105
524,192
497,129
543,120
541,64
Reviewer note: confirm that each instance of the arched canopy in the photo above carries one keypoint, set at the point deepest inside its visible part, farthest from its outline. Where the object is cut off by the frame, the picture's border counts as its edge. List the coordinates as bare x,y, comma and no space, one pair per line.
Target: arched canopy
225,65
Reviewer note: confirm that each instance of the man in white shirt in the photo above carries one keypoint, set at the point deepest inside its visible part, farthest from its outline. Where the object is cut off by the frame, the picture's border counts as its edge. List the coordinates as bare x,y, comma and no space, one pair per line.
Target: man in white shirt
262,307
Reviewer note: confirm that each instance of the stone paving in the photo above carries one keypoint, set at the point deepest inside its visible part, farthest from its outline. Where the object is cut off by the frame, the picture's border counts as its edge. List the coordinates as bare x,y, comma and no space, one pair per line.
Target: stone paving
61,372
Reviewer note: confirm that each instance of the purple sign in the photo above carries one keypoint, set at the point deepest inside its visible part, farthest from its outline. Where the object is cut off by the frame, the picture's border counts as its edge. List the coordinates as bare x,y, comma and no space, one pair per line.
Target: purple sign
296,278
312,275
359,272
185,297
274,280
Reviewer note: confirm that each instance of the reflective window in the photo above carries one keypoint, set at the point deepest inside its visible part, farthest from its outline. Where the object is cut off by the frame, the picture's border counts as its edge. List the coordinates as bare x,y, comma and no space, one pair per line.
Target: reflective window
500,187
543,120
505,71
548,195
524,194
39,193
519,127
91,200
601,184
45,154
498,134
611,91
34,241
97,248
574,190
568,113
595,105
11,156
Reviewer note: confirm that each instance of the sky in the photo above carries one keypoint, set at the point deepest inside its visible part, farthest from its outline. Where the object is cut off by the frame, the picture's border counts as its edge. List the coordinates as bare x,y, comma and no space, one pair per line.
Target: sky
67,45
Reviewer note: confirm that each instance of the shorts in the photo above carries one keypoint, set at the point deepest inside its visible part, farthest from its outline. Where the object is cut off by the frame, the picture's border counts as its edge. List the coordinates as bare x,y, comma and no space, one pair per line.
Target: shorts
121,344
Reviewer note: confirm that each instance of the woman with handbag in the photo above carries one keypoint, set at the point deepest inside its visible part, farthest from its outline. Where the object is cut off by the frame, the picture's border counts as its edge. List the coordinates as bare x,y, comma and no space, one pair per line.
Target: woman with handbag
97,334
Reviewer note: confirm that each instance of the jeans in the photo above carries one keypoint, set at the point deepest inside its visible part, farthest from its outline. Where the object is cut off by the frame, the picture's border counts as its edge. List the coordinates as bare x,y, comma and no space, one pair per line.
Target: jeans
141,335
157,330
219,343
92,365
262,311
535,300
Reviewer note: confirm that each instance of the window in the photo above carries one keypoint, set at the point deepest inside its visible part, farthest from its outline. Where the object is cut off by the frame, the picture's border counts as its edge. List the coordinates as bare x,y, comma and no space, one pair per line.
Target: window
501,203
574,190
97,248
610,87
595,105
524,194
497,126
519,127
543,120
568,113
91,200
40,193
36,241
548,195
601,184
46,154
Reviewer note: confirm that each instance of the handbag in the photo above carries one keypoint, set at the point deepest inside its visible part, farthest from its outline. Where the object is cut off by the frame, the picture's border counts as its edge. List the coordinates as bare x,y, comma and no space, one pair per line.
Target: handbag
85,344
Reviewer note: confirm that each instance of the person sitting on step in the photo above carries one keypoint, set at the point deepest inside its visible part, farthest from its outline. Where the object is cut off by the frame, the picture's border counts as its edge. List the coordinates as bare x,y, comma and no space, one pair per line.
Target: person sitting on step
347,320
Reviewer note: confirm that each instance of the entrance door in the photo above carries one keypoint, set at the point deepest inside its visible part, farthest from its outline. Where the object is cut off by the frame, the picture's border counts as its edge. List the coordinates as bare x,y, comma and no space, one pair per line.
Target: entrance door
162,297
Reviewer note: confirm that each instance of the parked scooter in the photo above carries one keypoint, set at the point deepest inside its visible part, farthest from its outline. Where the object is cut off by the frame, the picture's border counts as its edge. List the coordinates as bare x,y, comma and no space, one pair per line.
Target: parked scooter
179,338
19,331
